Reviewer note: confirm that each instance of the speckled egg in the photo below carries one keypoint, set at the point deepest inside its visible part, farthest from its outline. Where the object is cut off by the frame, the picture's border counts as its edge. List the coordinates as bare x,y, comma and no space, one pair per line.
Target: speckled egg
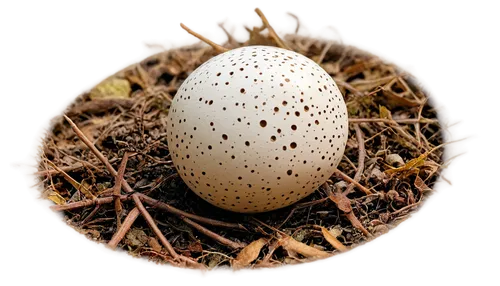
257,128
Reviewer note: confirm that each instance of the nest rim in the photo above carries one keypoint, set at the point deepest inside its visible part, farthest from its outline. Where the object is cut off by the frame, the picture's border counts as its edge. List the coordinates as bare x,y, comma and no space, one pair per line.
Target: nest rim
454,152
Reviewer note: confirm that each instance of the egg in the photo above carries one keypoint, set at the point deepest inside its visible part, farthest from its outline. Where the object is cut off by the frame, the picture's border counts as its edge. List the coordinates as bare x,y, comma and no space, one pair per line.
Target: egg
257,128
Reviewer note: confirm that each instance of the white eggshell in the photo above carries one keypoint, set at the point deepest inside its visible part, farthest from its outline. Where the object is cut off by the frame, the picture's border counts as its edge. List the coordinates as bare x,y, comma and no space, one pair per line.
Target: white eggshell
257,128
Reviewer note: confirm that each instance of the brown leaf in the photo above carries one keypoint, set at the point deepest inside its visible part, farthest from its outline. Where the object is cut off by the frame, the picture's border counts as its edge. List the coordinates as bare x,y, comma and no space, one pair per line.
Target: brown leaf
395,100
421,186
155,245
333,240
195,247
249,253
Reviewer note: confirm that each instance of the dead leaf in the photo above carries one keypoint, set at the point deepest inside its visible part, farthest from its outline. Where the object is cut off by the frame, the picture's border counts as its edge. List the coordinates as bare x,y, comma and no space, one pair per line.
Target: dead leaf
395,100
195,247
333,240
136,237
56,198
155,245
111,88
249,253
421,186
384,112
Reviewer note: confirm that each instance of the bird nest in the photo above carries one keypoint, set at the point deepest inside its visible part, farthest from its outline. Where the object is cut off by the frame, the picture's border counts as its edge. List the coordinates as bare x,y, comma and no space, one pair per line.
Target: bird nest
107,167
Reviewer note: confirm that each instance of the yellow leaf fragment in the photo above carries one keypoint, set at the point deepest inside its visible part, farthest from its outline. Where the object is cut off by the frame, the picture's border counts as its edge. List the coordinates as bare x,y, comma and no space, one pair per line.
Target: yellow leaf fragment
111,88
56,198
384,112
333,240
249,253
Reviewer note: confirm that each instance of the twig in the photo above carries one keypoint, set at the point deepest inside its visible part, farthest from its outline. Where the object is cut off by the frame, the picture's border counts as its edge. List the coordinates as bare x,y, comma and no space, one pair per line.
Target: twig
392,121
348,179
218,48
65,169
361,158
117,188
323,52
214,236
92,147
297,20
154,227
230,38
87,203
124,228
161,205
91,215
344,204
349,87
271,31
357,224
417,125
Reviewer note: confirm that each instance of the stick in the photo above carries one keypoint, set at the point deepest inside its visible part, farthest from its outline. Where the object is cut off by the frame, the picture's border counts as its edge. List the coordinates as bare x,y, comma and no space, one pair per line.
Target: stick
161,205
214,236
350,88
124,228
348,179
357,224
117,188
361,158
91,215
272,33
344,204
89,144
323,52
154,227
218,48
392,121
87,203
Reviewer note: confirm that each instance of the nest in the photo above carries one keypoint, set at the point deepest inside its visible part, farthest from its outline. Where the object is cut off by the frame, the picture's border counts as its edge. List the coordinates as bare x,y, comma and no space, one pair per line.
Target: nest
106,166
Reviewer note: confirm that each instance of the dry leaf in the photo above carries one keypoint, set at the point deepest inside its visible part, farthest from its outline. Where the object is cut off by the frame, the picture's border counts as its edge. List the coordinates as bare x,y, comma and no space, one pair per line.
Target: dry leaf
384,112
56,198
333,240
336,231
395,100
421,186
111,88
155,245
249,253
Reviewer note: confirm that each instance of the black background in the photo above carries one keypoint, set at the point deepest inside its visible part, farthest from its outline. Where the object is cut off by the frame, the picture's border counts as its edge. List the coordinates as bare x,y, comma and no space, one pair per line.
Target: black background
75,48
